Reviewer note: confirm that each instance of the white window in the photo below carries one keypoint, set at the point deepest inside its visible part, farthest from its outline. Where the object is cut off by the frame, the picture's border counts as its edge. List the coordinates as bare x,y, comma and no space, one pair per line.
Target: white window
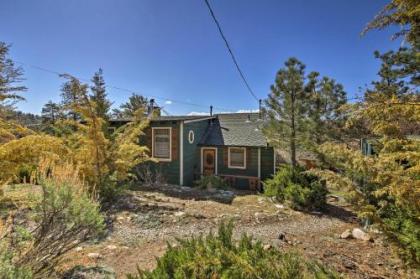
162,143
237,157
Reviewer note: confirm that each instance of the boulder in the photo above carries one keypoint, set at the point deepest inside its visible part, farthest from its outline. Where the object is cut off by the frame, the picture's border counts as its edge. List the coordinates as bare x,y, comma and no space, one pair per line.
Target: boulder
94,255
359,234
86,272
346,234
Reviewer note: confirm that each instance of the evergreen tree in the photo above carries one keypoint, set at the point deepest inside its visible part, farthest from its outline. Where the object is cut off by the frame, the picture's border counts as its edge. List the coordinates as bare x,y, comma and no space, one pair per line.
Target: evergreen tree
50,112
326,96
10,79
99,95
286,109
404,14
71,93
128,109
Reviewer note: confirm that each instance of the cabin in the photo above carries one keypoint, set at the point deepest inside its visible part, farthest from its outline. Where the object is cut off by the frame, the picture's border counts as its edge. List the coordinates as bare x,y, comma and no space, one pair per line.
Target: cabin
231,146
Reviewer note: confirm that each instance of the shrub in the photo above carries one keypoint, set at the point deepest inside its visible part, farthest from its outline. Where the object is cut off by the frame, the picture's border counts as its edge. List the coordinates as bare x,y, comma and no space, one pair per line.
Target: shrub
211,181
65,215
8,270
302,189
218,256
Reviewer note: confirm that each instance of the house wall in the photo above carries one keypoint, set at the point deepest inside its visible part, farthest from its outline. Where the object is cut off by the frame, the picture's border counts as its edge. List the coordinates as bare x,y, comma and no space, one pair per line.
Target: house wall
267,162
250,170
170,170
192,156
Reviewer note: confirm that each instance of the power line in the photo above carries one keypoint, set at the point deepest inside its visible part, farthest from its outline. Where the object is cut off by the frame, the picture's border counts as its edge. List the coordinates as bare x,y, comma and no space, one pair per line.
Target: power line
230,50
116,87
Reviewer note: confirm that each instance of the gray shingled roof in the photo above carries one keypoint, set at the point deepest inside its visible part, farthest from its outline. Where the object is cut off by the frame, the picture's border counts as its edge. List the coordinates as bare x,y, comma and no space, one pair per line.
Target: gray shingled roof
167,118
235,129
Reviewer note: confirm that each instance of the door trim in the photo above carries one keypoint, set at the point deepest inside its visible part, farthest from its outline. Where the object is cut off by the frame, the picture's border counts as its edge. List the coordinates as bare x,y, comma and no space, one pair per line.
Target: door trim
215,159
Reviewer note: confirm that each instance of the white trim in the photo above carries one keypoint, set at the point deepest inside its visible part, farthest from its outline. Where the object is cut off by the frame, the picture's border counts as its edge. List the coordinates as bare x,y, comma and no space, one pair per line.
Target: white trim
236,167
170,144
215,159
199,119
259,162
181,155
191,134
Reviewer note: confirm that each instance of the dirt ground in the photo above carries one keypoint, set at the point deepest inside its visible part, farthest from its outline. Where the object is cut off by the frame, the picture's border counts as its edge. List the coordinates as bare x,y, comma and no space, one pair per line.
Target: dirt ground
142,222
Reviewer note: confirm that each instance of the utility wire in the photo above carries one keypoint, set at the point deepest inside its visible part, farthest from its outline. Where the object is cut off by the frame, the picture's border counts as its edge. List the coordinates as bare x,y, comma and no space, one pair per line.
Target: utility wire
230,51
117,87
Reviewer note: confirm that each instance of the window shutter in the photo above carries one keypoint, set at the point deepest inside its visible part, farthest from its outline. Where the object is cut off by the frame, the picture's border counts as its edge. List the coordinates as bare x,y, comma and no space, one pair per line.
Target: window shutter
225,156
148,139
174,143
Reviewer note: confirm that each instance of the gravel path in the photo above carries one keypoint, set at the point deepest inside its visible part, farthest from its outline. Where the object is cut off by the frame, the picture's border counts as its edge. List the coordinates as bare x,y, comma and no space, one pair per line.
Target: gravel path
143,221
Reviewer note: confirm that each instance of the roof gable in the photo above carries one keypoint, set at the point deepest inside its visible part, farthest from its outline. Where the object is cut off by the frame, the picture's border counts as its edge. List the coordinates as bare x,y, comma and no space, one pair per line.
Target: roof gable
235,129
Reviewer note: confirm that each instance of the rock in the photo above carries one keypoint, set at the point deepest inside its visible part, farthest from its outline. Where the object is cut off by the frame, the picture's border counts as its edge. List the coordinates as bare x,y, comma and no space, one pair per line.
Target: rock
346,234
97,272
78,249
359,234
282,236
94,255
120,218
280,206
267,247
349,264
111,247
179,213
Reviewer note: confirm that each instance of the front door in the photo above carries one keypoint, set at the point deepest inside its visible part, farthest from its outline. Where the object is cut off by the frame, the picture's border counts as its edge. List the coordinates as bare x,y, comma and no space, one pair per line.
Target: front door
209,161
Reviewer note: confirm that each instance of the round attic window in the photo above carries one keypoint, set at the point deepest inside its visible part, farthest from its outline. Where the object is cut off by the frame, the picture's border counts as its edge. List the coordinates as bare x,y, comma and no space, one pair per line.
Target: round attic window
190,136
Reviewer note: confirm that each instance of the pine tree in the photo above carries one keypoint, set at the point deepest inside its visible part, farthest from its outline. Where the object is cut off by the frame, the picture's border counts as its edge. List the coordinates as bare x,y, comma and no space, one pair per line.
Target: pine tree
99,95
50,112
128,109
286,109
10,79
71,94
403,13
326,97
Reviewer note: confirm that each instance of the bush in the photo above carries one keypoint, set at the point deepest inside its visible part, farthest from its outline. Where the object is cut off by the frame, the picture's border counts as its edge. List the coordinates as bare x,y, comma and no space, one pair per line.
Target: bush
65,215
218,256
302,189
211,182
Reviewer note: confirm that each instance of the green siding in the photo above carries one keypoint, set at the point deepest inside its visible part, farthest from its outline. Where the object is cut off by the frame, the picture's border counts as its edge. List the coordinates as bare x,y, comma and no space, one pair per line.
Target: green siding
267,162
192,154
251,166
170,170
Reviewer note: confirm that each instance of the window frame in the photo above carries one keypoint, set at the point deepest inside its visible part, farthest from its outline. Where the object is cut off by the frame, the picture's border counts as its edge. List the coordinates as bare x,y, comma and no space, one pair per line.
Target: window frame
169,159
191,137
229,162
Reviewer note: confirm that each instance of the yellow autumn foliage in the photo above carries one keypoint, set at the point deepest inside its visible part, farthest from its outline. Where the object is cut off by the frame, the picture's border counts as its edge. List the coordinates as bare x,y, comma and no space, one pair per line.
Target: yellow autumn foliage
26,153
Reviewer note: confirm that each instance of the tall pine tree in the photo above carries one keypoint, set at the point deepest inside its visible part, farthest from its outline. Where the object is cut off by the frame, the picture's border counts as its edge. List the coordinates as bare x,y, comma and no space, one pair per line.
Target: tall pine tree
286,109
71,91
50,112
325,97
128,109
10,79
99,95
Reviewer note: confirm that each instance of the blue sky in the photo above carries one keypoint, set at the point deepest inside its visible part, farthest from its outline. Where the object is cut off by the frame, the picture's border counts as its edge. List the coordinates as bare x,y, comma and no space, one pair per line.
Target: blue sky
172,49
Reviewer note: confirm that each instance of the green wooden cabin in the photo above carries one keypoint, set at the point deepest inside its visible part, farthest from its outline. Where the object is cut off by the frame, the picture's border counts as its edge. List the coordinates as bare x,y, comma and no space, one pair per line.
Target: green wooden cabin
231,146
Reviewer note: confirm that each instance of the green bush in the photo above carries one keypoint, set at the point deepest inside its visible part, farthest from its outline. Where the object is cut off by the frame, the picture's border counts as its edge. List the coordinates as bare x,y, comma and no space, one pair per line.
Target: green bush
218,256
211,181
404,227
8,270
66,215
302,189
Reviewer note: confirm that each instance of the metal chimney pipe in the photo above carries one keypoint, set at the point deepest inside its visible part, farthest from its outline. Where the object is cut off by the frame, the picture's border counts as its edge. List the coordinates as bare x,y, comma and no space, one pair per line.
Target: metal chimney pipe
260,108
